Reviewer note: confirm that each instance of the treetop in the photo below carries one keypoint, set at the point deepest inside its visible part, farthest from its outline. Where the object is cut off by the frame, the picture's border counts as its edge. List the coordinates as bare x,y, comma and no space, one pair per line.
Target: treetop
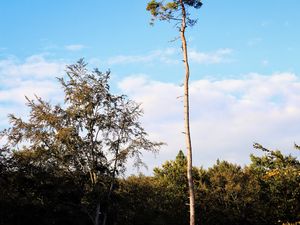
172,10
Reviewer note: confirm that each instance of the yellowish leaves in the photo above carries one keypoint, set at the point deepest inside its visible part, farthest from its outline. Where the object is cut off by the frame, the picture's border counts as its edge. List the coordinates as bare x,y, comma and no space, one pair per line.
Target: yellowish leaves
172,5
64,133
272,173
153,7
295,223
282,172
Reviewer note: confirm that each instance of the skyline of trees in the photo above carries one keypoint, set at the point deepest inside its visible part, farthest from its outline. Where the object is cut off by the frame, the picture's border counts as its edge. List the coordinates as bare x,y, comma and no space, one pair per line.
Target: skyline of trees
264,192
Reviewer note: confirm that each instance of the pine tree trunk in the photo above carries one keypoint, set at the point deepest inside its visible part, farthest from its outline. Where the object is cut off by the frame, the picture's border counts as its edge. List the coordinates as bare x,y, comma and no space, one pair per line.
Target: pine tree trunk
187,118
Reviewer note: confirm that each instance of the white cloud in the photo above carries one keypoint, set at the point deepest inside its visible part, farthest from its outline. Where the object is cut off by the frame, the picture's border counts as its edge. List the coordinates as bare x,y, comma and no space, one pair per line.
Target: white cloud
76,47
227,116
166,56
34,66
33,76
47,89
216,57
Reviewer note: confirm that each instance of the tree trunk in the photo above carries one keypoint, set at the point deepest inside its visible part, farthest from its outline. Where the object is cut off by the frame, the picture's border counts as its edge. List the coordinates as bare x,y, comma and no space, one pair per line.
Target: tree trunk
111,185
187,118
97,217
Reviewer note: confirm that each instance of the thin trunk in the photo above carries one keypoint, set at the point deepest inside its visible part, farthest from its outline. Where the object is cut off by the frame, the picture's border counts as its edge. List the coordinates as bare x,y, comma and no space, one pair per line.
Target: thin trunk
104,218
93,175
109,194
187,118
111,185
97,217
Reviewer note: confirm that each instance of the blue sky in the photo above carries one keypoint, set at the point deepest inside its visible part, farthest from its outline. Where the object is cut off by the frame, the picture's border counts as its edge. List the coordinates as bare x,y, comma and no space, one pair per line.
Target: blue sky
258,32
244,62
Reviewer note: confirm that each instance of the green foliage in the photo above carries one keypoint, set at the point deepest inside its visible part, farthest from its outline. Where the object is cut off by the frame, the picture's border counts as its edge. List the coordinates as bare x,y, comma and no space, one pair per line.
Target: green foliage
279,179
172,10
173,173
230,190
31,195
141,202
172,178
225,194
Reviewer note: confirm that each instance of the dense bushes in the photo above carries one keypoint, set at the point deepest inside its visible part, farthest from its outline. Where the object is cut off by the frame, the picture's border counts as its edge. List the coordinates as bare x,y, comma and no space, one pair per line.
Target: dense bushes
265,192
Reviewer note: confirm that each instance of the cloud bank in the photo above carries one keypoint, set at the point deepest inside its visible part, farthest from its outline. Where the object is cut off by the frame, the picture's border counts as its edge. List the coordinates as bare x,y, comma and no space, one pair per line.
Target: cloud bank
227,116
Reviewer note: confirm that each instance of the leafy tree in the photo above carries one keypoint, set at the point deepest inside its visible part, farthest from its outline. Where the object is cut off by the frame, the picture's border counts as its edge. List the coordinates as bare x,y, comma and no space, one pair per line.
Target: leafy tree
30,194
172,178
177,10
230,196
92,134
160,199
141,202
173,172
279,178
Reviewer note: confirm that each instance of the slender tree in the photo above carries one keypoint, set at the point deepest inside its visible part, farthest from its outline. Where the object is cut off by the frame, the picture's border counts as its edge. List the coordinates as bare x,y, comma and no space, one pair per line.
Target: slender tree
177,11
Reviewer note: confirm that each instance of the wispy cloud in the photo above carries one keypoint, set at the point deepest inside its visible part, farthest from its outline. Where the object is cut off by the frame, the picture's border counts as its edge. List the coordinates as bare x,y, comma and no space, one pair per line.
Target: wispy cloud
227,116
216,57
75,47
166,56
34,66
173,56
